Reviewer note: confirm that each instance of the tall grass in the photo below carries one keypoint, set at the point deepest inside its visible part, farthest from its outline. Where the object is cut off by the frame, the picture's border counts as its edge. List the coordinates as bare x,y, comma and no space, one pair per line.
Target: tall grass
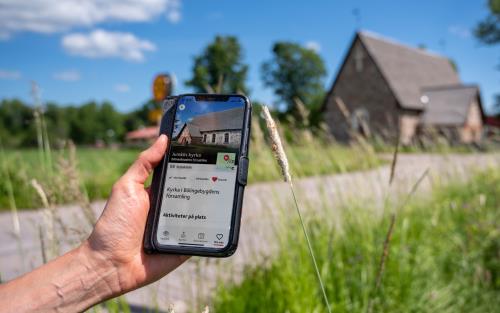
59,181
282,160
443,252
98,169
445,257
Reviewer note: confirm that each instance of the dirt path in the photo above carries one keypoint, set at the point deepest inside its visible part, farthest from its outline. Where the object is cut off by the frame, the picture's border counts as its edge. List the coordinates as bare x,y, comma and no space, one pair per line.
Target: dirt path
188,286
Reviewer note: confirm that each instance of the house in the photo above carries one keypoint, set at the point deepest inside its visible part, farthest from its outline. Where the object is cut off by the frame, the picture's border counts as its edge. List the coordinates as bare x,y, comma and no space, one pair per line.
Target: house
492,127
454,111
493,121
214,128
142,135
386,88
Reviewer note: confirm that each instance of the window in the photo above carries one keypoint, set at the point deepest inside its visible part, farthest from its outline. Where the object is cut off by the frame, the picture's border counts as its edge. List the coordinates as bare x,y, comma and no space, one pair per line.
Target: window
213,138
360,121
226,138
204,137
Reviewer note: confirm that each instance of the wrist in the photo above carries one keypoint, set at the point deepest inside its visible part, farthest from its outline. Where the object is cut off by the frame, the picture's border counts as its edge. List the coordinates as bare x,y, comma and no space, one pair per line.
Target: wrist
73,282
100,267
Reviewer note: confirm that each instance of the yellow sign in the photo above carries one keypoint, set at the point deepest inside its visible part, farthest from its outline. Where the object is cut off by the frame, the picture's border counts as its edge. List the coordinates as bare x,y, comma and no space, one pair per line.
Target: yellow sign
162,87
155,115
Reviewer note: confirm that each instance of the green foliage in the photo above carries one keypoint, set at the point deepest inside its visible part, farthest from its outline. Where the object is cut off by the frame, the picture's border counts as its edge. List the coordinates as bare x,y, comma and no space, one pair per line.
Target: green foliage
85,124
294,72
488,30
116,305
496,105
140,117
219,68
91,122
443,257
98,169
332,159
17,125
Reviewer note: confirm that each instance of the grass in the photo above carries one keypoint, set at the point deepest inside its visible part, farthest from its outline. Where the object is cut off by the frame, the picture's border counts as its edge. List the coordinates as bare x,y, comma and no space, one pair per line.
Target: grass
308,160
444,256
99,168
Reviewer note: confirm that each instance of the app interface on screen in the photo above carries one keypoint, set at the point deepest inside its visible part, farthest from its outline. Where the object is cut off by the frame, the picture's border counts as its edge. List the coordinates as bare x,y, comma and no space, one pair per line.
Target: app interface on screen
199,187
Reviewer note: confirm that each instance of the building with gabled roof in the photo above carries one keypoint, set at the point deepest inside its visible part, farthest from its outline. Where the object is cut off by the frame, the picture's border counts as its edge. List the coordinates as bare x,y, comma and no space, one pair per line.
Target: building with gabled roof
387,88
214,128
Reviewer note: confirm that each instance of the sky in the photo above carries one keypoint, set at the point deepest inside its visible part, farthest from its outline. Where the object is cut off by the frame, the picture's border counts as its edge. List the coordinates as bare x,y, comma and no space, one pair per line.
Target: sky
78,51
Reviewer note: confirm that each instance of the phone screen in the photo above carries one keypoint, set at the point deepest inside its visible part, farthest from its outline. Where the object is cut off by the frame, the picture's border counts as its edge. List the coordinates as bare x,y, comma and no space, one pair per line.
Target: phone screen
200,182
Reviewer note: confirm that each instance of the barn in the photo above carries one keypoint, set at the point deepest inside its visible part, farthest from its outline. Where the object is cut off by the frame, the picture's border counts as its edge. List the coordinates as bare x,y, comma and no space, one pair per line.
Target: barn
384,88
214,128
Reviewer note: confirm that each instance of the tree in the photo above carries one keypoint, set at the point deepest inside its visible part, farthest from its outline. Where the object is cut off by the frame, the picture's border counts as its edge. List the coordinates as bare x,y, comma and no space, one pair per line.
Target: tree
112,123
17,125
496,105
488,30
219,68
141,117
57,122
294,72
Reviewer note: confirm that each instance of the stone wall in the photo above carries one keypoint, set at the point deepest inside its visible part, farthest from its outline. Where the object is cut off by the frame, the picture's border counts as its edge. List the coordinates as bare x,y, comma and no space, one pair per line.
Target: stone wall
473,127
365,93
234,138
408,125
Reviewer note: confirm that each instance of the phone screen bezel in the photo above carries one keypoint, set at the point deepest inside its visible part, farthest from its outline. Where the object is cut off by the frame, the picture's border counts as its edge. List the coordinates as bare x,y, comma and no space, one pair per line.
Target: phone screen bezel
243,152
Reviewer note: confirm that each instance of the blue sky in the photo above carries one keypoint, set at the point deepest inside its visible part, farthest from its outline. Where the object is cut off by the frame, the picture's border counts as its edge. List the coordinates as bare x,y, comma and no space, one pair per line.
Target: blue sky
84,50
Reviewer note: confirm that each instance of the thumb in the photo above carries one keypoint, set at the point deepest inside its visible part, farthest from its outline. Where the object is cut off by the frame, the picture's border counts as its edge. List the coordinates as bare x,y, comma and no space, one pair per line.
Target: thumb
140,170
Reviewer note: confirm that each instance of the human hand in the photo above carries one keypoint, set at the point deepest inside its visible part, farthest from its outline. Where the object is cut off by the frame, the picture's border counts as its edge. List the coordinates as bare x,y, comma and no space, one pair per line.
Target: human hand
109,263
117,239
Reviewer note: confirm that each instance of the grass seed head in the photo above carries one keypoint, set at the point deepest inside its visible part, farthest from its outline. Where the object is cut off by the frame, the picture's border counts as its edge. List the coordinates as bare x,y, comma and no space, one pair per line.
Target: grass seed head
276,145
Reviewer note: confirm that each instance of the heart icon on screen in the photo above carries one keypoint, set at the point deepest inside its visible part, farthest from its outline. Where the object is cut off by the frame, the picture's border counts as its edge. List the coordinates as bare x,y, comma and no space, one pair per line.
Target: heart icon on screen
214,178
219,236
226,157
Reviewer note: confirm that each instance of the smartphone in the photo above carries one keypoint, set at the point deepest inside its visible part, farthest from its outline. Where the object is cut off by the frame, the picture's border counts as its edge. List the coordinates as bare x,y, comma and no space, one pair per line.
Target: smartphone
197,190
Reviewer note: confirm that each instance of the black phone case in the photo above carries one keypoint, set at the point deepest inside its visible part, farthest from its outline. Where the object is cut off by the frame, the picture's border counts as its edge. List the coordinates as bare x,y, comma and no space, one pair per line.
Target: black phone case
166,127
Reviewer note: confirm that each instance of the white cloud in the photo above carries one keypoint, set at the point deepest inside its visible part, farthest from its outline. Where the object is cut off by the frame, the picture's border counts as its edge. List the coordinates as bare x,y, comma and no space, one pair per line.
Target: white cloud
10,75
122,88
51,16
313,45
68,76
174,11
103,44
459,31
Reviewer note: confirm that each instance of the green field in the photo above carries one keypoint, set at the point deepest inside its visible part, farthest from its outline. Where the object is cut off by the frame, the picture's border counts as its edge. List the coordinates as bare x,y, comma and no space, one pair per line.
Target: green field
444,256
95,170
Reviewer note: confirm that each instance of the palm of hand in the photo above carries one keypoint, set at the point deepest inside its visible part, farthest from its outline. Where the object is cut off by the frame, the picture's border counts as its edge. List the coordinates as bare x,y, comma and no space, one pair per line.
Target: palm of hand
118,233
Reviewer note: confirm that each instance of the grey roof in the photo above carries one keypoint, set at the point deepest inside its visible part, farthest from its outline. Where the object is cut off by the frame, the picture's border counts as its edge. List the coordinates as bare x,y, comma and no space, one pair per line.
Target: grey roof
448,105
221,120
194,130
408,70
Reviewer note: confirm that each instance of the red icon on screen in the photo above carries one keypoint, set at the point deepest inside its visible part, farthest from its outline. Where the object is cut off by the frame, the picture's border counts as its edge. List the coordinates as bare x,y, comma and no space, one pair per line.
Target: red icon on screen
226,157
214,178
